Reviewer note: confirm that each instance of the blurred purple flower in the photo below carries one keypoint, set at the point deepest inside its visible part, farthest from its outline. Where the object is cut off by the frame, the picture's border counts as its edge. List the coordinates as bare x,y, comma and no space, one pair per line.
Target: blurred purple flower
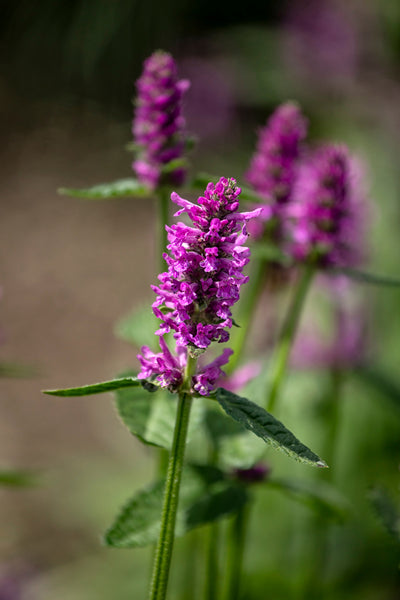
327,213
321,41
273,167
241,376
158,125
255,474
347,346
13,581
209,108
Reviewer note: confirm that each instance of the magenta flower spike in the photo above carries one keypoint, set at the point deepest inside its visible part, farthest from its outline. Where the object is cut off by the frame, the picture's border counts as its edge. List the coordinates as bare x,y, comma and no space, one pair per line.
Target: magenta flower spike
328,210
273,167
202,283
158,125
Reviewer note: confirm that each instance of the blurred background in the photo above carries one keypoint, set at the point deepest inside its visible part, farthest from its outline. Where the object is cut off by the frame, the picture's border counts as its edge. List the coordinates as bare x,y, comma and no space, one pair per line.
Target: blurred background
71,268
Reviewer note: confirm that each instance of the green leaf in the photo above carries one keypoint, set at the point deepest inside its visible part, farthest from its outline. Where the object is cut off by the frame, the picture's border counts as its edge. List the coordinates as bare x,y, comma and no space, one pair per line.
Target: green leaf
201,180
14,370
152,418
254,418
14,478
319,496
381,382
97,388
386,510
122,188
368,278
205,496
138,328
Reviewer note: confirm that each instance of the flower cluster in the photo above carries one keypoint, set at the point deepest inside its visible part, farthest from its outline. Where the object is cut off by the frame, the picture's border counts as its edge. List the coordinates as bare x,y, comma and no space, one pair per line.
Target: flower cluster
158,123
273,167
205,268
195,296
326,212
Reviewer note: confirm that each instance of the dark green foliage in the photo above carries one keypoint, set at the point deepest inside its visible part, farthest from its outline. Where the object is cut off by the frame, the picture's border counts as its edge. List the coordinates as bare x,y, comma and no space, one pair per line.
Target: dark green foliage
205,495
151,417
254,418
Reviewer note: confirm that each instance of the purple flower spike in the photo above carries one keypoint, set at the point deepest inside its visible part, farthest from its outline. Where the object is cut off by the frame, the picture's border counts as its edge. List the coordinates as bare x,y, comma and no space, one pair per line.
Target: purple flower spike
273,167
203,281
158,123
328,210
205,268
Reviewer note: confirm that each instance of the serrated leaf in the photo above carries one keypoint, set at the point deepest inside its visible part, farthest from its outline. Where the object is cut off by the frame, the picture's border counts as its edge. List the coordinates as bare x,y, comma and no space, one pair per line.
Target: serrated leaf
122,188
386,510
205,496
151,418
97,388
201,180
254,418
236,447
368,278
15,478
138,328
381,382
320,496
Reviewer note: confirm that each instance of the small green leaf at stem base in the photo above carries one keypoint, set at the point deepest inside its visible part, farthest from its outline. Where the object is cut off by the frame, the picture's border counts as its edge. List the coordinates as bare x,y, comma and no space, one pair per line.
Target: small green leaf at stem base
122,188
205,496
254,418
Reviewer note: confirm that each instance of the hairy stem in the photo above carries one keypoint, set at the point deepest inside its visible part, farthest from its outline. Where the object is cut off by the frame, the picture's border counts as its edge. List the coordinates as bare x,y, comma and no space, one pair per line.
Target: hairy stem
287,334
163,554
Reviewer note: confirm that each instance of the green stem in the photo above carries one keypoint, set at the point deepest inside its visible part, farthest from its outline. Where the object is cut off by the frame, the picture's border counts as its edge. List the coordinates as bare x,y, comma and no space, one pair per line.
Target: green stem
246,312
211,545
287,335
235,552
163,197
163,555
319,533
211,551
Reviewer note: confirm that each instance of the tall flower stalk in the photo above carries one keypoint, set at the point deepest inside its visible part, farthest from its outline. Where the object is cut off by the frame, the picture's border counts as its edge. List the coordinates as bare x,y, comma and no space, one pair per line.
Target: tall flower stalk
194,300
325,225
159,131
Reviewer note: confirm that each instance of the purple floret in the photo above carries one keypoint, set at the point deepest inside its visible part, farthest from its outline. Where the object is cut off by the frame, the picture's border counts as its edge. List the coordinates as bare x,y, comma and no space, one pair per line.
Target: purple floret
158,125
327,213
273,168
